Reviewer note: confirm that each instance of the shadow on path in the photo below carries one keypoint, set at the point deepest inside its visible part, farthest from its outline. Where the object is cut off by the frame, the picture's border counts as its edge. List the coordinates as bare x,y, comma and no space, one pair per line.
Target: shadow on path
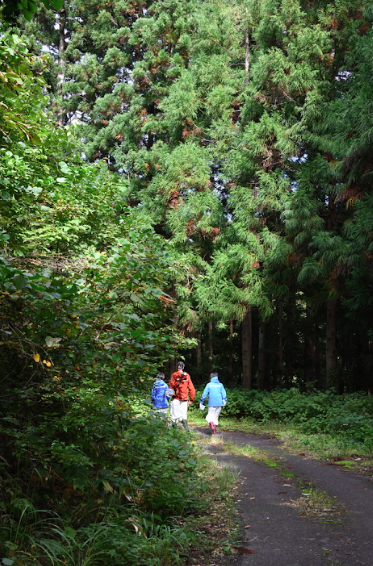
275,533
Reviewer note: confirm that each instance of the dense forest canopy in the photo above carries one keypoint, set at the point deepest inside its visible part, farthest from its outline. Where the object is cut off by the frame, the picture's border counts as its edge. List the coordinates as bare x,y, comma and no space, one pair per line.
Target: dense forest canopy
238,132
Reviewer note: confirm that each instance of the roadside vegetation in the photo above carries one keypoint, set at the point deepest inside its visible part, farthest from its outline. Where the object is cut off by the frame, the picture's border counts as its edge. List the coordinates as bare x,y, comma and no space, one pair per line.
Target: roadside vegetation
154,499
86,478
322,424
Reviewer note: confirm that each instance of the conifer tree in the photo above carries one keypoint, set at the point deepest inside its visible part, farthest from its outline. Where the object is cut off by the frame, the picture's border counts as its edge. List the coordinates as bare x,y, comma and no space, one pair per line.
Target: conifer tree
238,127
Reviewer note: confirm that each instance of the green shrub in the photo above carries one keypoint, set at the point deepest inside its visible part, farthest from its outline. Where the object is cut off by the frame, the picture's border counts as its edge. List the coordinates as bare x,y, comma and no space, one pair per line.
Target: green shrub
320,411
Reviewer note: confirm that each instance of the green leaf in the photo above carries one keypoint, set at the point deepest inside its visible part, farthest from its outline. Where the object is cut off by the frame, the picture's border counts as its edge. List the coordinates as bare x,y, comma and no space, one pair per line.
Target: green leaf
57,4
70,532
64,167
20,281
52,342
108,488
34,190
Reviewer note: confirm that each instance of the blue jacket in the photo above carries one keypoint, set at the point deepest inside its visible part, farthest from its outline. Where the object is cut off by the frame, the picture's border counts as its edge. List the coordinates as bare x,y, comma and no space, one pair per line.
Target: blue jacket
159,397
216,392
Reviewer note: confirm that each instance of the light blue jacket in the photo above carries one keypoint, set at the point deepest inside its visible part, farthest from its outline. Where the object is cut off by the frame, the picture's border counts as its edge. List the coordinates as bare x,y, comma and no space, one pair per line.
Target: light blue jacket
216,393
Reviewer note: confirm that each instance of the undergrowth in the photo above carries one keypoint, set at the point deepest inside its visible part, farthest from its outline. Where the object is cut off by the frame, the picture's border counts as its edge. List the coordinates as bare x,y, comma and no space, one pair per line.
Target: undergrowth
151,507
324,424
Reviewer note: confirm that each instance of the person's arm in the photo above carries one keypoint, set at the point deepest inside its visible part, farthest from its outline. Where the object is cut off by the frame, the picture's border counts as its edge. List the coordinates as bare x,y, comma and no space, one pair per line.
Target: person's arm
164,390
223,395
192,391
205,393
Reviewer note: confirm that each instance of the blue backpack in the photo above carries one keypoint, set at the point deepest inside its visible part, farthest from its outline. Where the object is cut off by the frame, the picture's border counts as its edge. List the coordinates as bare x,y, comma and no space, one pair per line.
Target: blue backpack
159,395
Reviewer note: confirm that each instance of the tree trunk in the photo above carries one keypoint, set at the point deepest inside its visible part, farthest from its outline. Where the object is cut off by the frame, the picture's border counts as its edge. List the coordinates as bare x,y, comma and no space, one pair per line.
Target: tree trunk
311,353
280,344
331,341
170,368
199,354
261,355
210,344
247,350
308,359
230,366
288,370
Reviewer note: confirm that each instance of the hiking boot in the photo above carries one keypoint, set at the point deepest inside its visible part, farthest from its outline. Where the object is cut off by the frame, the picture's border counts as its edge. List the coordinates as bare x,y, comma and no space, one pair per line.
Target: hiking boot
211,425
214,429
185,425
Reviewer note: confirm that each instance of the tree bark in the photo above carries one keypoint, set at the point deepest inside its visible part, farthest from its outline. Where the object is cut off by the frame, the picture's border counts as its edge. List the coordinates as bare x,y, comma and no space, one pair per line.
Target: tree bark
261,355
199,354
210,344
280,344
247,350
230,366
309,370
331,341
170,368
311,353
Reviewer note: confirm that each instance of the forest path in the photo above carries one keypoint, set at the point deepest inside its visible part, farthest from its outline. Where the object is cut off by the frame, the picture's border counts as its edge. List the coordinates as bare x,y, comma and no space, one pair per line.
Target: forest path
275,533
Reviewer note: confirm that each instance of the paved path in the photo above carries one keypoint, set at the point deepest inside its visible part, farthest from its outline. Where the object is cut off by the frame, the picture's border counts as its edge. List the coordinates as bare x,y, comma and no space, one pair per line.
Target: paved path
276,532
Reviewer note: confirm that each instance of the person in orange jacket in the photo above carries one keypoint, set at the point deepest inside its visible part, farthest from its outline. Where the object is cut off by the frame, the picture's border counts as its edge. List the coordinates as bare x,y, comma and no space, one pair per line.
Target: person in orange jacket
183,388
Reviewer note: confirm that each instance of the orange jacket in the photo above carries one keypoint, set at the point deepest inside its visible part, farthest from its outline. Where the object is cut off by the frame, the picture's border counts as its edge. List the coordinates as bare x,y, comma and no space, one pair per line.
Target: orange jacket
182,384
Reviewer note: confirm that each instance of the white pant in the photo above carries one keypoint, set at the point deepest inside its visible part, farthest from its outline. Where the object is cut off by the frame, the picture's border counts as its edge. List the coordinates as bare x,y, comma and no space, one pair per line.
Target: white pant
213,415
178,410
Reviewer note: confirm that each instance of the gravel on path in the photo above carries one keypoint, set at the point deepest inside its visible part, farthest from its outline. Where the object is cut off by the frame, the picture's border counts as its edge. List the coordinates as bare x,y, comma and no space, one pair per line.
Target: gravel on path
275,534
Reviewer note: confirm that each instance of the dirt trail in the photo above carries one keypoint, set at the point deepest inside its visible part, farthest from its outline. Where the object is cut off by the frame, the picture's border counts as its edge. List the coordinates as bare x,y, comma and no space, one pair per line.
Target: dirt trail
276,534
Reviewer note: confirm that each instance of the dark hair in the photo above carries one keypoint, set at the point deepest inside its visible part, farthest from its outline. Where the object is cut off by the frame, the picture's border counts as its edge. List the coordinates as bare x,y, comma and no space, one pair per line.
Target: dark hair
214,374
180,365
160,376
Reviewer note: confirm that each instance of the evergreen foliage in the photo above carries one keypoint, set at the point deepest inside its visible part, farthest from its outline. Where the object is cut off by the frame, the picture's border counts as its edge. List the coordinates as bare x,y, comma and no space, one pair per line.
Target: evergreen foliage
240,128
177,177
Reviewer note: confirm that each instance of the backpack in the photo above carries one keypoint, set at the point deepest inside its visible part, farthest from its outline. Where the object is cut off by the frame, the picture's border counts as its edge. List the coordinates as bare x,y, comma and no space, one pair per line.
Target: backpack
159,395
179,381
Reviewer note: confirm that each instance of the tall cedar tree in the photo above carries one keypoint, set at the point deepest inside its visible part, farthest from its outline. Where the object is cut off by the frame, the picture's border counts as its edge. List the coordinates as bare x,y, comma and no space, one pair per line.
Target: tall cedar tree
213,113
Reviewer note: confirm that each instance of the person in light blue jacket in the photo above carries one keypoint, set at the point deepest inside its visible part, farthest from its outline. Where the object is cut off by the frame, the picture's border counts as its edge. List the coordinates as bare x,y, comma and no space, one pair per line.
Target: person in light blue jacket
217,399
160,394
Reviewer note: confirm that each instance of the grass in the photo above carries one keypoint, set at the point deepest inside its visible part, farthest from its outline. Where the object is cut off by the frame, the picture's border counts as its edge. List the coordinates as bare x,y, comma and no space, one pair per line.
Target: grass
316,504
130,535
340,449
200,537
219,530
249,451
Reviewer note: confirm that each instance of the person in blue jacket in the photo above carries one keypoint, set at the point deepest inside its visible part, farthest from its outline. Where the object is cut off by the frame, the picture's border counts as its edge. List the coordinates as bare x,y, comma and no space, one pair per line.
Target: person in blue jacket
160,395
217,399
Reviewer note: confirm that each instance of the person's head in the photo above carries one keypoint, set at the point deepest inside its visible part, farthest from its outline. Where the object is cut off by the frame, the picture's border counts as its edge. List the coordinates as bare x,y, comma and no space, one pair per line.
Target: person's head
160,376
213,374
180,366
